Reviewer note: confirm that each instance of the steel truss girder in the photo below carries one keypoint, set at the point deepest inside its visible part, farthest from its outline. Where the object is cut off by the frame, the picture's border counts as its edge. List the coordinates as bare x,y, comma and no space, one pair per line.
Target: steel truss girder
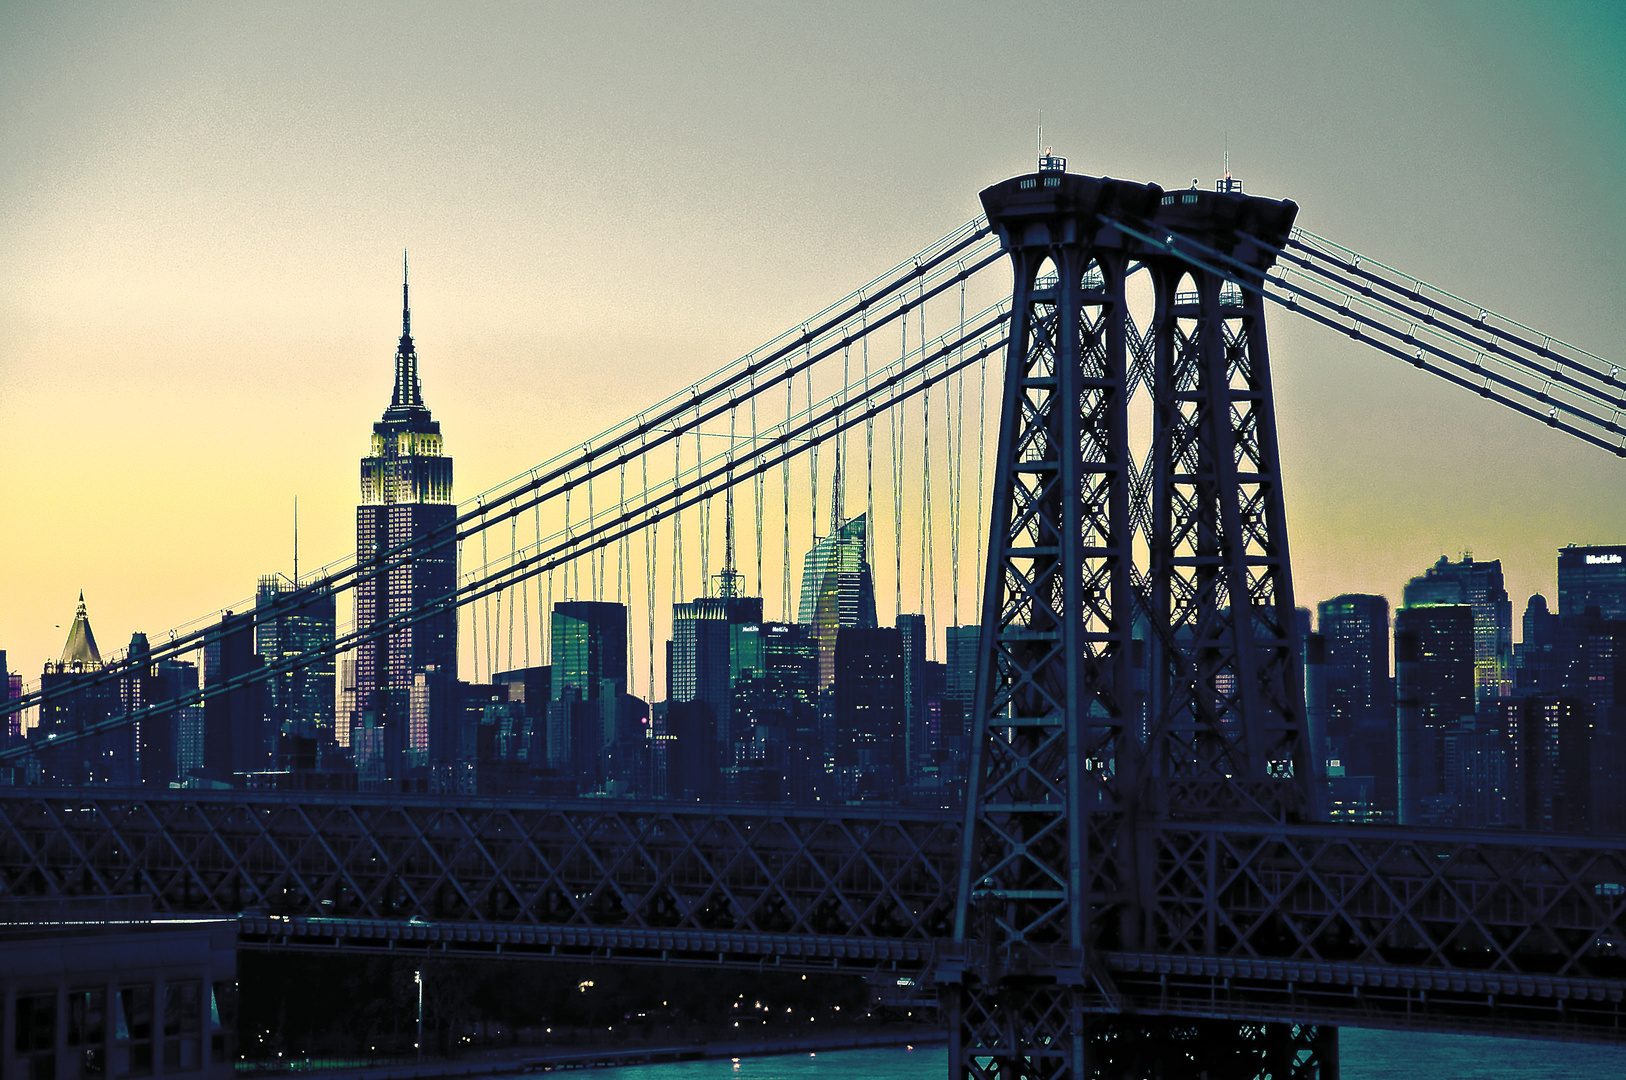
1446,930
828,881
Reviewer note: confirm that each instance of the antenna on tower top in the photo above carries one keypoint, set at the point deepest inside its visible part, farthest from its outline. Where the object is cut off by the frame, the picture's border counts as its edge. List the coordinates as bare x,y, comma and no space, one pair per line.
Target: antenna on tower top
1227,183
728,582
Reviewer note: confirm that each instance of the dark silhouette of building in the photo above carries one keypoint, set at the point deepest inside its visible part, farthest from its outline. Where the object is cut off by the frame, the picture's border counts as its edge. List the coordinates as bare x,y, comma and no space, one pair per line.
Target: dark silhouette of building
1434,690
1356,704
74,701
406,508
1478,585
238,738
1552,743
779,754
299,700
869,712
1591,577
916,742
1581,656
11,688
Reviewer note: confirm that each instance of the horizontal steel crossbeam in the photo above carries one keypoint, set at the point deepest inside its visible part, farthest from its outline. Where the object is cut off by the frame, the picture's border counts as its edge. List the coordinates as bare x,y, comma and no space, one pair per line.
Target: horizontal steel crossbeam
1456,930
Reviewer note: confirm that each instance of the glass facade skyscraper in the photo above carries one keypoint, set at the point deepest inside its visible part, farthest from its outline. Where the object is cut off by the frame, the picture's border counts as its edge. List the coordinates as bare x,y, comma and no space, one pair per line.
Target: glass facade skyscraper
1478,585
838,590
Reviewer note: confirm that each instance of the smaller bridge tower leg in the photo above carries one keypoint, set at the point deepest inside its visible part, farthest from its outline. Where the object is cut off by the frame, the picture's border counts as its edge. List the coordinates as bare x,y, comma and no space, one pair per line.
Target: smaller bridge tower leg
1065,780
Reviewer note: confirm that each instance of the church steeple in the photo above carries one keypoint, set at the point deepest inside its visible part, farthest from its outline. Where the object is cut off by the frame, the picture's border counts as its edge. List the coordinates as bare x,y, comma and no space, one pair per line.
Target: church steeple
408,394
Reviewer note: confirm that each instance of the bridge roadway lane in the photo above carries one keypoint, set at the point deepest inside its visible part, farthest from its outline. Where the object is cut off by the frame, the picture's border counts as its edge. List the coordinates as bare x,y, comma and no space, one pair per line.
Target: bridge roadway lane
1460,930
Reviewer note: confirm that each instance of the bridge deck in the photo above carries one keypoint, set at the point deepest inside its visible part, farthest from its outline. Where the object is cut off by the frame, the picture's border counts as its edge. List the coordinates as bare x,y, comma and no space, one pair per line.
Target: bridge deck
1444,930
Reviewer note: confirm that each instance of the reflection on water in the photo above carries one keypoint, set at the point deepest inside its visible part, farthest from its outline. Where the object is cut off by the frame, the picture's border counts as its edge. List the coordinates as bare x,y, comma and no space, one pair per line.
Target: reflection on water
891,1063
1366,1055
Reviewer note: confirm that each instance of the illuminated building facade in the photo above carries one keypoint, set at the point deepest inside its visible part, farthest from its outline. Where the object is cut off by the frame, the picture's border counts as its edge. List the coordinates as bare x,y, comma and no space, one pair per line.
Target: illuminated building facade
838,590
1478,585
406,508
1592,577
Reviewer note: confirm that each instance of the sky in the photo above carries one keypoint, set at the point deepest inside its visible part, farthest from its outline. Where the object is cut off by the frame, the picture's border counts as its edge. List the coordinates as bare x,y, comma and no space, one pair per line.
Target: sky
203,208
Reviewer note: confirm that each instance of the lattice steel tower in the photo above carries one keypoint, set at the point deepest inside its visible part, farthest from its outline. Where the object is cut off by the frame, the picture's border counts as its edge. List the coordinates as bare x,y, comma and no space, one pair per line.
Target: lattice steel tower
1139,654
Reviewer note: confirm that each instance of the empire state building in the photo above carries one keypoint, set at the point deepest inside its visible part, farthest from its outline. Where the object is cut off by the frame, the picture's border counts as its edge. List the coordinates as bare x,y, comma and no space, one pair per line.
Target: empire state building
406,553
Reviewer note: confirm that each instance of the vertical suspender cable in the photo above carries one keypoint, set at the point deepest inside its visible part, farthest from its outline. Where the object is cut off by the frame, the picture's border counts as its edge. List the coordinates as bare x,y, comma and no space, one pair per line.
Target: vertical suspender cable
677,524
869,458
513,550
485,561
812,459
571,594
957,471
842,460
757,484
703,514
623,572
784,559
650,541
541,610
593,558
898,482
928,559
978,575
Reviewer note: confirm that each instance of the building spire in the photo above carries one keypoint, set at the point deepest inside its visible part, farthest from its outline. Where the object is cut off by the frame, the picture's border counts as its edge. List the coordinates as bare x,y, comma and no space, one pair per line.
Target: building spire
408,394
838,494
728,582
80,652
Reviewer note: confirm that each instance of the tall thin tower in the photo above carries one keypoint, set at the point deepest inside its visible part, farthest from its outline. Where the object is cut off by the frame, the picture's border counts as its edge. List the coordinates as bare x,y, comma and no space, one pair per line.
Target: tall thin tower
406,547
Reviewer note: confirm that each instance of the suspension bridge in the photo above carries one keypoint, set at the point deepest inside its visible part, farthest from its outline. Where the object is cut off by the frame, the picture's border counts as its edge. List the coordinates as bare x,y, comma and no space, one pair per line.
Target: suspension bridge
1140,881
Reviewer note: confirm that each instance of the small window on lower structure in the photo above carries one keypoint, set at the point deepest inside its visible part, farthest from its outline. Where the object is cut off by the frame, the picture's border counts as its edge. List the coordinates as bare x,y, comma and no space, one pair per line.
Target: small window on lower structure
132,1031
35,1028
183,1026
87,1034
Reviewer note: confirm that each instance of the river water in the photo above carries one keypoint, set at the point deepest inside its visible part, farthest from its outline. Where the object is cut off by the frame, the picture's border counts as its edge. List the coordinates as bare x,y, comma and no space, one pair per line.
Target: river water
1364,1055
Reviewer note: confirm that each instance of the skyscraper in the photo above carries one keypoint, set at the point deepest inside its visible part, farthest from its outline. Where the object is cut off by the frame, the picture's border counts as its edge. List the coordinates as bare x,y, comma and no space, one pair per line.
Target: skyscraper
1479,585
1358,706
869,709
589,669
406,508
99,759
1592,577
838,590
299,700
702,663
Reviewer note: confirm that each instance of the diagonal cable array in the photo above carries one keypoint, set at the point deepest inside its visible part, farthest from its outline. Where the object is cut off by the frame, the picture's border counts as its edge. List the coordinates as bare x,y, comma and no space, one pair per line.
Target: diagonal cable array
850,406
1502,360
886,301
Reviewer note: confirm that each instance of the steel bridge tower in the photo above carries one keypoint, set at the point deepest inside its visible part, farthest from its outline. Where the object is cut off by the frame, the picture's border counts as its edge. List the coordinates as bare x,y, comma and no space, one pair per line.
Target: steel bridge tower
1139,659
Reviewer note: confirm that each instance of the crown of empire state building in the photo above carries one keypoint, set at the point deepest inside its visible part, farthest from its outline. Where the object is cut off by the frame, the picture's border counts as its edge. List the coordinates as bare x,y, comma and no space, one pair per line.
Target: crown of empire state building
406,463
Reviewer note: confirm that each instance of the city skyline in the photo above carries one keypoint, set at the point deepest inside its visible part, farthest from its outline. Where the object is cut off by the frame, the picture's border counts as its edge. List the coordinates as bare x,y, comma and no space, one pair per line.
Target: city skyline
228,358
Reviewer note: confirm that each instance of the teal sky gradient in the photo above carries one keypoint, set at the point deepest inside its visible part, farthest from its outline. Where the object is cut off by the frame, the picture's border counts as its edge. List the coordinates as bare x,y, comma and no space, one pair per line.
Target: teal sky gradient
202,209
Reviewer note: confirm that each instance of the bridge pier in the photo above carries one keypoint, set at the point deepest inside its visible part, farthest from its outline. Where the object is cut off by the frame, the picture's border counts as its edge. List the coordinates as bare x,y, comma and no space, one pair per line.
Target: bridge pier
1030,1031
1112,695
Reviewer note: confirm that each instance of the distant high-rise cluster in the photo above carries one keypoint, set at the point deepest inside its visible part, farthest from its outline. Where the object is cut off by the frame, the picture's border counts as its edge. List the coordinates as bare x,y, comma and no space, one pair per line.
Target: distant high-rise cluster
1441,711
1472,729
